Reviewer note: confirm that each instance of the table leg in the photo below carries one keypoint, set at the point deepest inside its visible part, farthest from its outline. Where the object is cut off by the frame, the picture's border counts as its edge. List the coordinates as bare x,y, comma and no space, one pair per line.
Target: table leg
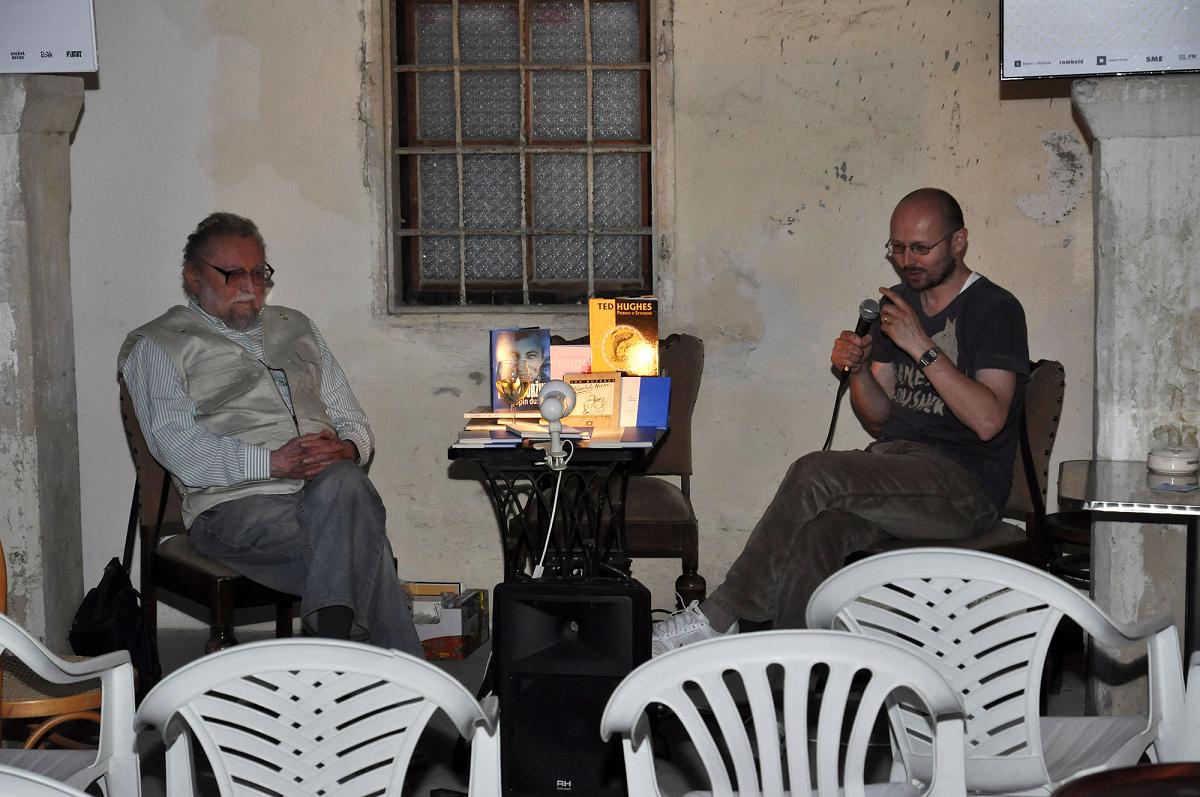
1191,628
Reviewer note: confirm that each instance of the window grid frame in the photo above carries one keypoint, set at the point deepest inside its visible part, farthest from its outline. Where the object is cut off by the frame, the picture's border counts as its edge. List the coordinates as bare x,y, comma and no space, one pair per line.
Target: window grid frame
406,239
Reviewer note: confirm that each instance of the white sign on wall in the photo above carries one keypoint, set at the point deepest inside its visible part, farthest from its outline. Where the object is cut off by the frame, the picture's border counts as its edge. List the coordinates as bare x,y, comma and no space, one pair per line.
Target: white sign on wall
1063,38
47,36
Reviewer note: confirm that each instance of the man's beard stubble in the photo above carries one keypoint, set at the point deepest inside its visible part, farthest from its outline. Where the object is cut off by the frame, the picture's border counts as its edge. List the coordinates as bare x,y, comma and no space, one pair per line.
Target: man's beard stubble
933,275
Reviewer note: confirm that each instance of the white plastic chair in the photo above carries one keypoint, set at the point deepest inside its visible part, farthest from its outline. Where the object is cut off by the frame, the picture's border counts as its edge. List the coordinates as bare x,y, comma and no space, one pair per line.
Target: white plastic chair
22,783
986,622
114,763
694,679
312,717
1191,726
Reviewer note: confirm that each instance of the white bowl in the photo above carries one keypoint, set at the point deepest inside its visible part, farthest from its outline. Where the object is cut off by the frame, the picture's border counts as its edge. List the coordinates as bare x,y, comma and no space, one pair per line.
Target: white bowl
1172,460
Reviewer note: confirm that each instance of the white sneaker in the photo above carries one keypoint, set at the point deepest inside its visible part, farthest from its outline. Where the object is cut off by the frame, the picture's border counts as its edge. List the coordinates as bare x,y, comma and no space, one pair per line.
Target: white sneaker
683,628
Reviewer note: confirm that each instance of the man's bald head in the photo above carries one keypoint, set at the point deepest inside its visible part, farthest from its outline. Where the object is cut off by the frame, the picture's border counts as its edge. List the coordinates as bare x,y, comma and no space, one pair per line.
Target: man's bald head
945,205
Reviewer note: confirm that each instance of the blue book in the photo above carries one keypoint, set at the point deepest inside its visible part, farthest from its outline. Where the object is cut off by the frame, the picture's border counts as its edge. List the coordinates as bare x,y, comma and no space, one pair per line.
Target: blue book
645,401
497,438
624,437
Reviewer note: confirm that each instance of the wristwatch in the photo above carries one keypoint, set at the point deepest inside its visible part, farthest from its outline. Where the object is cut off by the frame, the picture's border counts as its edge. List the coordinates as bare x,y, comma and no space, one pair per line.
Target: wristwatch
928,358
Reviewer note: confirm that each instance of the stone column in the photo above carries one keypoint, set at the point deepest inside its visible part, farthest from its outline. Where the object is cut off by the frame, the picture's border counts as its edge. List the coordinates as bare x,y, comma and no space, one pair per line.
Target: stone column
1146,190
39,441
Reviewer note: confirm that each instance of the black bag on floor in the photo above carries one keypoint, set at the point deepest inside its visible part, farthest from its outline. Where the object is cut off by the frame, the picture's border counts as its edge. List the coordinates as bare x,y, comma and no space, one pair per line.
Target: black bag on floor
111,618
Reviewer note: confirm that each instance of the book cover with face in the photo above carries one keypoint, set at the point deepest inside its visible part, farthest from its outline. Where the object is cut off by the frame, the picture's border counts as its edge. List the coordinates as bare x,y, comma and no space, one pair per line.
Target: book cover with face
520,366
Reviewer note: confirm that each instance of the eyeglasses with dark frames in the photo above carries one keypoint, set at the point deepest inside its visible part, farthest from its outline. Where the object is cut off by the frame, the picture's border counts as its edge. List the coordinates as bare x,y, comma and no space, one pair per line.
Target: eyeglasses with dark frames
896,249
262,275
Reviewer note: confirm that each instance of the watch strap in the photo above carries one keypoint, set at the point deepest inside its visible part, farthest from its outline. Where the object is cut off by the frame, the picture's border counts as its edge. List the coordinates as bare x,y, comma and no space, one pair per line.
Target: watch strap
928,358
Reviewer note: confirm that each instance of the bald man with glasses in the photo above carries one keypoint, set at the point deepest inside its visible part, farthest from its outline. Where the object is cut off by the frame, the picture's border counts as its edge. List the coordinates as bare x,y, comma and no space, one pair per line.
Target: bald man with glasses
246,406
935,381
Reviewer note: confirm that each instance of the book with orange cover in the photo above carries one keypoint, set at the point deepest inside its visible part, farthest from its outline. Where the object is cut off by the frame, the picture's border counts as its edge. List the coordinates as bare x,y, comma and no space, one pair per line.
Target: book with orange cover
624,335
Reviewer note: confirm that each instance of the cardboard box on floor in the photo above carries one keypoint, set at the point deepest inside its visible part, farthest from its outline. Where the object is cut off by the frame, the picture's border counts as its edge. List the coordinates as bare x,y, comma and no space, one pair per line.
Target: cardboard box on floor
451,623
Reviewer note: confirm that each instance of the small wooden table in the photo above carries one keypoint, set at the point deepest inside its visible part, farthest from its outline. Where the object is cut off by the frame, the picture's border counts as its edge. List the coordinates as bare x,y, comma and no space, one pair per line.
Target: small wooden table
589,526
1123,491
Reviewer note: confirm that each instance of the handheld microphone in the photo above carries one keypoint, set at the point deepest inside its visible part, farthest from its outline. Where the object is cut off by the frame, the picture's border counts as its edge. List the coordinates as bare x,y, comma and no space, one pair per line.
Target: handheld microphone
868,311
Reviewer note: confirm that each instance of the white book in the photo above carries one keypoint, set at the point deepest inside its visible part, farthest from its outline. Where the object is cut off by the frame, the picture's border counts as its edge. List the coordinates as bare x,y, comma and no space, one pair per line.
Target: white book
631,387
484,411
537,431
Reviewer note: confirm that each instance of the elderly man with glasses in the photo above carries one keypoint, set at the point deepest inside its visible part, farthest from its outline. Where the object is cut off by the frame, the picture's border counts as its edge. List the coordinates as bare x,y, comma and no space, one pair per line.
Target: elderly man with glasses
245,405
935,382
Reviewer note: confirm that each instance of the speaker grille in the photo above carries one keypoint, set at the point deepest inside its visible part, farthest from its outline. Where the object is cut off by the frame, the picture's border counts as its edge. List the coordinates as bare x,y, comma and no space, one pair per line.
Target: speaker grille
561,649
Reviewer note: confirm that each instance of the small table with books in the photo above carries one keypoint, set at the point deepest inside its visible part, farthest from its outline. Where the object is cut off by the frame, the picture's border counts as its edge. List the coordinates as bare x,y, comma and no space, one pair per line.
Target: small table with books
588,524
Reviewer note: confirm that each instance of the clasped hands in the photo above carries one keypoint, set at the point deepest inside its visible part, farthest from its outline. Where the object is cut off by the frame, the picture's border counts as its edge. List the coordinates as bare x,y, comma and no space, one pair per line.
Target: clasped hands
896,320
305,456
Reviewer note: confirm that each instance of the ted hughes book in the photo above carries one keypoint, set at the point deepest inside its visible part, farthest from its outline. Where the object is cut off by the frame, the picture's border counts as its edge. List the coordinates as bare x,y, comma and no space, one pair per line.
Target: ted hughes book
624,335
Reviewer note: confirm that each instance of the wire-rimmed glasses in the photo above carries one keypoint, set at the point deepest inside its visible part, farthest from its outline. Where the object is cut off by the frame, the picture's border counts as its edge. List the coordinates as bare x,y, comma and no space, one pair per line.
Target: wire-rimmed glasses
897,249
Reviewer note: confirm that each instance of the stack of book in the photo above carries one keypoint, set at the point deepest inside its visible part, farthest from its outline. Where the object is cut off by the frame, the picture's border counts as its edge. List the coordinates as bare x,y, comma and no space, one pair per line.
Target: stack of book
621,398
488,428
485,428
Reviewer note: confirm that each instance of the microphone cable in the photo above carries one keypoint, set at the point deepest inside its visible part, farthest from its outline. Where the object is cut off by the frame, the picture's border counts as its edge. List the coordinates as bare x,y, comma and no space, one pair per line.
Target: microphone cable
837,403
539,568
868,311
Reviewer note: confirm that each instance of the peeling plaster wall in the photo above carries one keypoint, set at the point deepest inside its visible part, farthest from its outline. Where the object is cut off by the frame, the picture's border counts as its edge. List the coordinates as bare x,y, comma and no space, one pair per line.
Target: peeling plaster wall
797,127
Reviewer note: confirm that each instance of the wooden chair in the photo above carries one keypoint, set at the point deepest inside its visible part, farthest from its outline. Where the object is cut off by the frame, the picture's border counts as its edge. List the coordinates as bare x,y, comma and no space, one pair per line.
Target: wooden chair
659,520
1027,499
173,571
43,705
47,691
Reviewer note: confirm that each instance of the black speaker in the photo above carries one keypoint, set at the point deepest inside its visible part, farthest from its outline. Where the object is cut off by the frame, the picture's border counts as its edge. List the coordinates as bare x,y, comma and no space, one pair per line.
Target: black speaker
560,647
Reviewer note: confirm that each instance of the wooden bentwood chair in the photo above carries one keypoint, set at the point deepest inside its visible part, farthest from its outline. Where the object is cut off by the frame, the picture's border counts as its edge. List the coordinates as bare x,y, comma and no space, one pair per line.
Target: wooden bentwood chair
47,693
173,571
659,520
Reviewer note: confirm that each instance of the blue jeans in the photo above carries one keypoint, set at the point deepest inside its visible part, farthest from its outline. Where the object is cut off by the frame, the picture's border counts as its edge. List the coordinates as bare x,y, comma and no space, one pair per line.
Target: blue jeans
326,543
832,503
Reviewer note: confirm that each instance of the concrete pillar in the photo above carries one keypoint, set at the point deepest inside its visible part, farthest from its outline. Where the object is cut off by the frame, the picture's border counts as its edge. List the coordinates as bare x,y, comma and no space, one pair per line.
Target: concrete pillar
1146,189
39,441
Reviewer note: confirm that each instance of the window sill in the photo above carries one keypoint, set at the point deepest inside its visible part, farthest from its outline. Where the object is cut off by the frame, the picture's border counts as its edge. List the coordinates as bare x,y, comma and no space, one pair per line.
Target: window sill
487,316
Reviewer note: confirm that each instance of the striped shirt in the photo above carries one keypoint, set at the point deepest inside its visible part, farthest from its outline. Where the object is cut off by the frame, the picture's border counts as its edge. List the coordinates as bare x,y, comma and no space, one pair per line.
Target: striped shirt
197,456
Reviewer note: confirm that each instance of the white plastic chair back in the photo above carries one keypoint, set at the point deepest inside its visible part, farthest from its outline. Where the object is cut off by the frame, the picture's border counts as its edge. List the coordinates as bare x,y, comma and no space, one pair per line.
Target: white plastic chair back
986,622
114,762
311,717
1191,727
22,783
819,671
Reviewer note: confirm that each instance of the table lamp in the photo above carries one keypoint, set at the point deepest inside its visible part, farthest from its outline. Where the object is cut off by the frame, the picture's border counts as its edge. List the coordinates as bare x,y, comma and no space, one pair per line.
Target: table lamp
555,401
